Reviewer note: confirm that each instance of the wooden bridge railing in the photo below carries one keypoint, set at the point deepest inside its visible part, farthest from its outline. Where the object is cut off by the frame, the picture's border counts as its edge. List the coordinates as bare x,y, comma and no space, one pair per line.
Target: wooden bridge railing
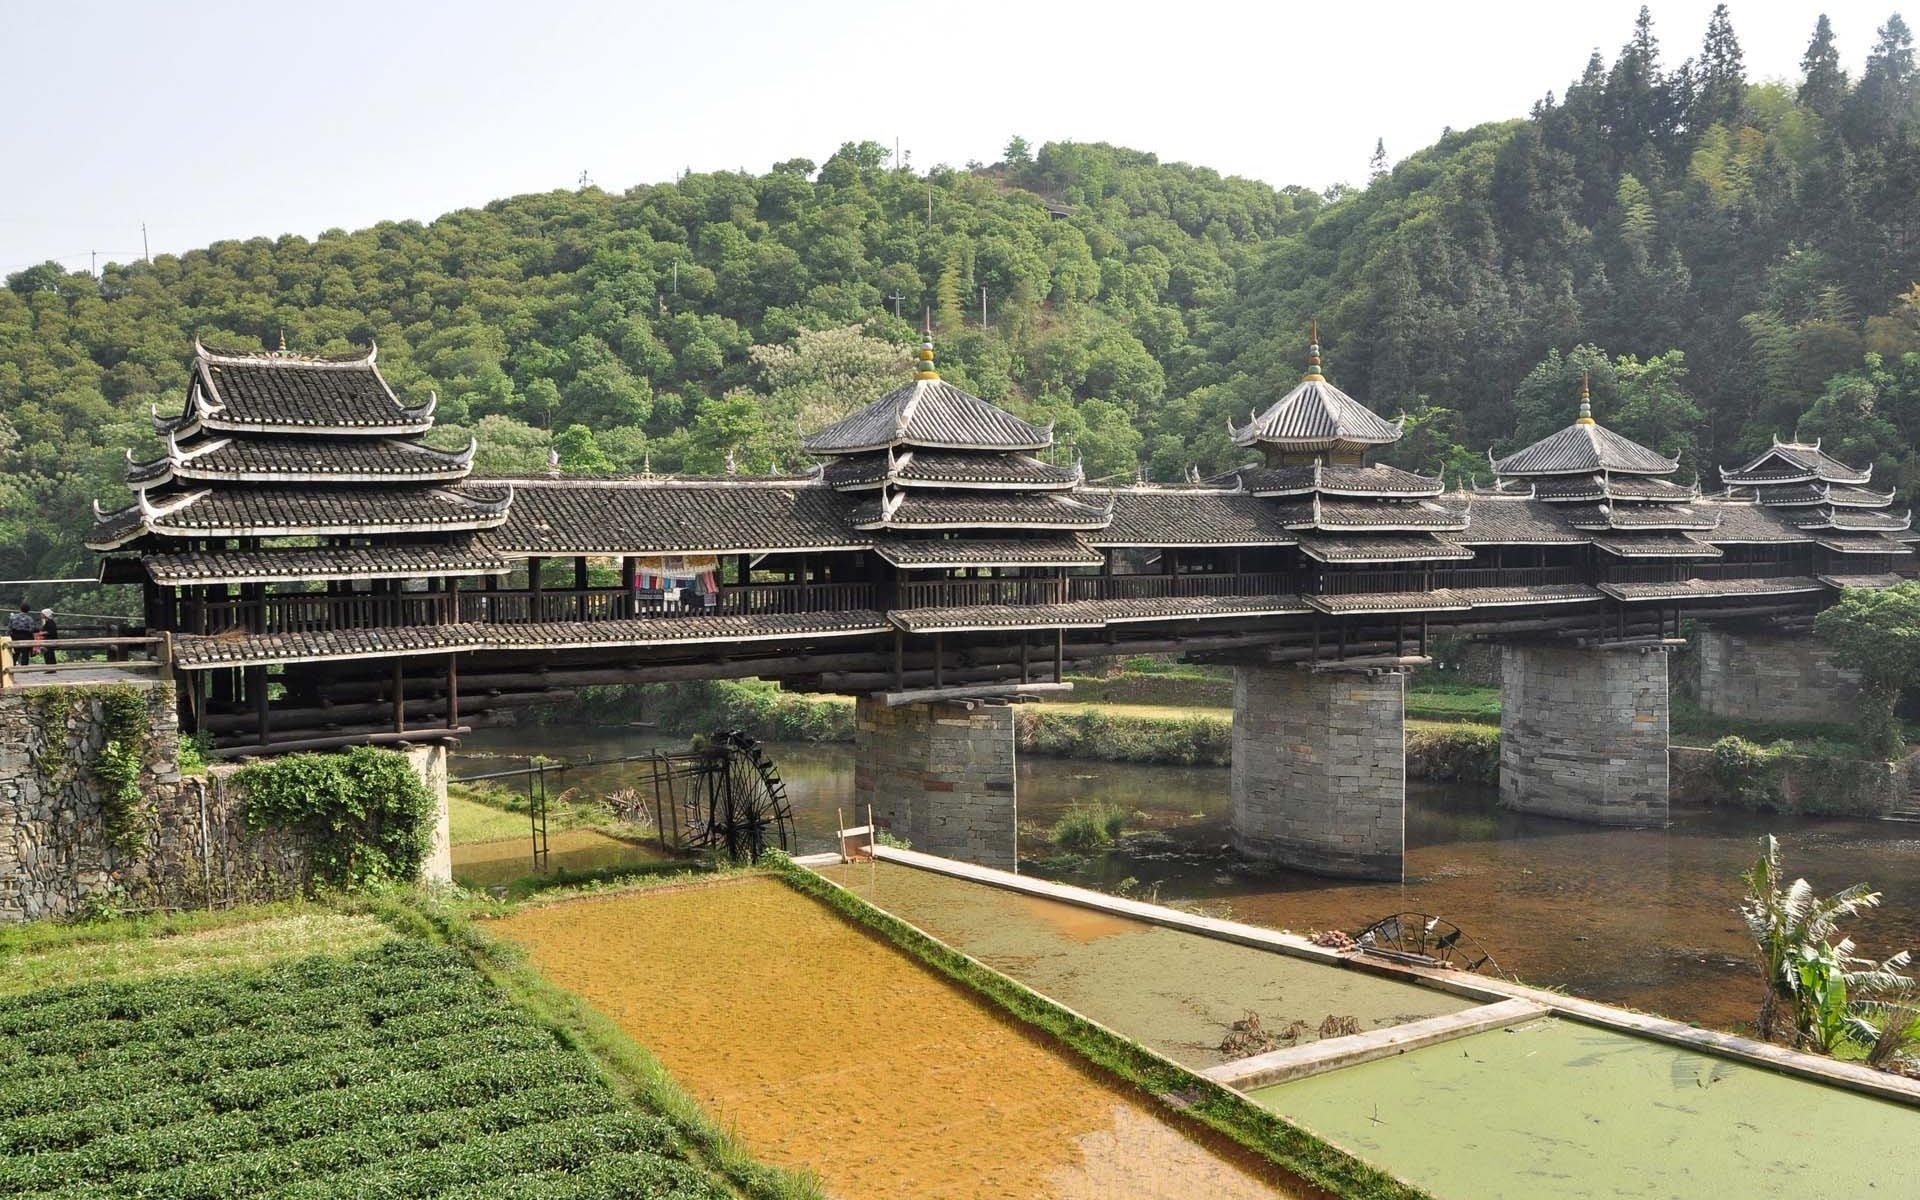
141,654
1137,587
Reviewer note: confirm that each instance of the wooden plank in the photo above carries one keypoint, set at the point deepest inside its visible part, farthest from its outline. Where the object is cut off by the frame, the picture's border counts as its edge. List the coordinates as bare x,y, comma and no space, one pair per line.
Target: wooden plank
333,743
1330,1054
985,691
1375,662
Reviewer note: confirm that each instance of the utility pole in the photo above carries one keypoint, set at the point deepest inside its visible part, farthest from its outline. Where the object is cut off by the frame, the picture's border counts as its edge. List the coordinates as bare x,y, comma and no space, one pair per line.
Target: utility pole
983,306
929,204
93,263
896,298
676,279
144,252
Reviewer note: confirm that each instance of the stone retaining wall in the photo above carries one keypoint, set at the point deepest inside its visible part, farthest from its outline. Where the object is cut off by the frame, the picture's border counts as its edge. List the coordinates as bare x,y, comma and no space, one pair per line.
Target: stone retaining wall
1766,677
195,849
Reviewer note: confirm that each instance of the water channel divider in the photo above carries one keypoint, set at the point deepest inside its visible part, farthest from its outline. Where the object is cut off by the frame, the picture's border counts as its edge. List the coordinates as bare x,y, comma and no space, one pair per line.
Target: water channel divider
1223,1109
1486,988
1330,1054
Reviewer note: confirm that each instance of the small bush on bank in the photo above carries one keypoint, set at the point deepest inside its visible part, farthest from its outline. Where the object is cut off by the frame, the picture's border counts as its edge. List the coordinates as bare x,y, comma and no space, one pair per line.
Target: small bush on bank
1089,827
1820,779
1457,754
365,816
1192,741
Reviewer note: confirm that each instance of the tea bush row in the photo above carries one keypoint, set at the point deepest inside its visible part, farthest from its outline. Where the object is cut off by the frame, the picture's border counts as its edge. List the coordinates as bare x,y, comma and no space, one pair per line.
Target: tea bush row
398,1072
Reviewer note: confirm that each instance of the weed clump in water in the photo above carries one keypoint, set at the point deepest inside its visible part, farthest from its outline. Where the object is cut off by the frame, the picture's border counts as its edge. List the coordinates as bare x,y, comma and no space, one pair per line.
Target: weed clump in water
1089,826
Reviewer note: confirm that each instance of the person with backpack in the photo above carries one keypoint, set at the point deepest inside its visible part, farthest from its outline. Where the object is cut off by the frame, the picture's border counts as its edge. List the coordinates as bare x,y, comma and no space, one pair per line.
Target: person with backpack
21,626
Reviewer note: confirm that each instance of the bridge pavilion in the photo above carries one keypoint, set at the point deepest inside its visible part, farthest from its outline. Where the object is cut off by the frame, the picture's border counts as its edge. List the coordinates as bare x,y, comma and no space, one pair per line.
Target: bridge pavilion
330,575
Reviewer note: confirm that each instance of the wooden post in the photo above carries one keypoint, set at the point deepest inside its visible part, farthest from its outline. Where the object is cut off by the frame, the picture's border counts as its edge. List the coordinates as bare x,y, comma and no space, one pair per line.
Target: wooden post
533,589
899,661
1059,654
6,664
580,587
257,684
939,657
453,691
399,698
627,572
1023,656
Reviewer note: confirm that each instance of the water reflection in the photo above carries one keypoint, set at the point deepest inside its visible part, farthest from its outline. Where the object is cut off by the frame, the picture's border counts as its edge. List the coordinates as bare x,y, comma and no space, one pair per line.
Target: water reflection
1646,918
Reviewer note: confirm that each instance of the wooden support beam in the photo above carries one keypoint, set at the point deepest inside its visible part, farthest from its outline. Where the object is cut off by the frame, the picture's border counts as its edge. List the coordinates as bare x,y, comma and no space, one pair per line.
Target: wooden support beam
399,696
990,691
369,738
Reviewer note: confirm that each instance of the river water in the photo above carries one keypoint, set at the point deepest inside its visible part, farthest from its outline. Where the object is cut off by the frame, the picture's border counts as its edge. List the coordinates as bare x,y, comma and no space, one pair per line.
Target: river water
1644,918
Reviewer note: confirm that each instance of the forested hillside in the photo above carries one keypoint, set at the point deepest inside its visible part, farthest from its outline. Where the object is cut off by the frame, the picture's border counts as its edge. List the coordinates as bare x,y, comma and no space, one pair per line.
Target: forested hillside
1731,260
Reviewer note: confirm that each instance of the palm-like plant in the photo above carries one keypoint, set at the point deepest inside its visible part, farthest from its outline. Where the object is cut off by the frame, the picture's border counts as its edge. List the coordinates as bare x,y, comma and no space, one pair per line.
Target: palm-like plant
1820,994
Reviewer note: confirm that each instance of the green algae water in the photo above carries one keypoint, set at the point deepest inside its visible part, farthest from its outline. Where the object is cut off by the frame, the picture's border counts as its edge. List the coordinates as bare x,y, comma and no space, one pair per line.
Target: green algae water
1174,991
1645,918
1556,1109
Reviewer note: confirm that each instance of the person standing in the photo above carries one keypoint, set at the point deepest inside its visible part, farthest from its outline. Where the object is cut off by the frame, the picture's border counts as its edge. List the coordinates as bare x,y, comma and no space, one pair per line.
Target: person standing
48,631
21,627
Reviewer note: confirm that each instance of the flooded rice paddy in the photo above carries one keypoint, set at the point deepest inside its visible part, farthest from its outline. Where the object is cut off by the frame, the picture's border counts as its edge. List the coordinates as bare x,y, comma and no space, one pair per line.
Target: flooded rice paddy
1174,991
829,1050
1645,918
1555,1109
485,864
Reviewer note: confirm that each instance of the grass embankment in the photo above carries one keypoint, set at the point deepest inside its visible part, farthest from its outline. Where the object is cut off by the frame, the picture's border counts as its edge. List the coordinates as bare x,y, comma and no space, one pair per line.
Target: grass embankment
1311,1159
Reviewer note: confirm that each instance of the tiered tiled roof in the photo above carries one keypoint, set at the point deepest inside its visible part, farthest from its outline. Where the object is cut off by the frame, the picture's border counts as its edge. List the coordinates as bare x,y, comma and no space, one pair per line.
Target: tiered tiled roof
1315,419
1813,490
281,445
1609,487
1315,440
931,460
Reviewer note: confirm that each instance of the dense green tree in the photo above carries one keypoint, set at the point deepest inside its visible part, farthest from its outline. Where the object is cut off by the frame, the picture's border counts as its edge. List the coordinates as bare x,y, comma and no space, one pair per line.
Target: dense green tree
1823,82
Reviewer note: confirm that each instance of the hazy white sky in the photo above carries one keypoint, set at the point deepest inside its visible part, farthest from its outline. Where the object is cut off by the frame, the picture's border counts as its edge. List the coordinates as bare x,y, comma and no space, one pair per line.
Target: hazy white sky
226,119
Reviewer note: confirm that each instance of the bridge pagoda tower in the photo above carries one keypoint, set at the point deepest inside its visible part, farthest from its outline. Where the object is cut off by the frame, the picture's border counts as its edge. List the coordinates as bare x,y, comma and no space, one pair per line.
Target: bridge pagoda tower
1583,730
959,506
1753,670
1319,748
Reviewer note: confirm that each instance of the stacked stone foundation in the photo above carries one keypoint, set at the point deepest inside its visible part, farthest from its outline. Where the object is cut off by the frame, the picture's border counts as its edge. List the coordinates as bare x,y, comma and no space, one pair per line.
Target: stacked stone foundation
1583,734
1767,677
1319,776
194,848
940,775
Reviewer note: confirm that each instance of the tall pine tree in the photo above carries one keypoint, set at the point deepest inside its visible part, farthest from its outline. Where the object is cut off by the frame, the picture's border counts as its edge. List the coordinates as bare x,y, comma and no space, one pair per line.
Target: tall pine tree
1823,82
1720,78
1883,103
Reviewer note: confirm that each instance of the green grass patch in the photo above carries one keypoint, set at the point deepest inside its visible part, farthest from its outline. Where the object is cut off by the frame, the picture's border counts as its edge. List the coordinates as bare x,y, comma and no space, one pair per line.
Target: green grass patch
396,1071
1457,753
1454,702
255,943
1216,1107
1687,720
1089,826
1111,734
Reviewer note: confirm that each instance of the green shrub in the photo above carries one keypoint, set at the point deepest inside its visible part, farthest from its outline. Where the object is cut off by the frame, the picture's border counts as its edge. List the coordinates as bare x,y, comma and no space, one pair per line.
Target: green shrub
364,814
1089,826
1092,734
1456,754
1747,773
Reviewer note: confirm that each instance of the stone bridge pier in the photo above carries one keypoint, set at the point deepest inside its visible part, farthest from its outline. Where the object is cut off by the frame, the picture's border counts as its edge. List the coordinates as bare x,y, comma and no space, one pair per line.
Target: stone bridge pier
939,774
1771,677
1319,777
1583,733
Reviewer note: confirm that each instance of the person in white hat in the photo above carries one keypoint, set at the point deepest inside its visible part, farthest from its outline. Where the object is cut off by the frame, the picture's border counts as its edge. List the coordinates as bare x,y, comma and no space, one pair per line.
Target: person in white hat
48,631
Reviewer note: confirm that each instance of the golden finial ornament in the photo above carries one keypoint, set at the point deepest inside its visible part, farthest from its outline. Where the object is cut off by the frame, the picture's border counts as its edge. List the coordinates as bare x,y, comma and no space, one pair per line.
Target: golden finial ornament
1586,398
1313,349
926,370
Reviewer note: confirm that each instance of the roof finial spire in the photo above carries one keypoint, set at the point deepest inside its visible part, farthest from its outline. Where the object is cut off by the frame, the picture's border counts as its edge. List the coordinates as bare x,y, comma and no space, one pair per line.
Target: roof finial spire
926,370
1313,349
1586,398
283,339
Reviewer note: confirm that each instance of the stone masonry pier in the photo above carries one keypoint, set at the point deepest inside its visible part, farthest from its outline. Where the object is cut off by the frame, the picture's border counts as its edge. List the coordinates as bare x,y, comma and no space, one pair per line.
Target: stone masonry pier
1319,777
940,775
1583,733
1771,677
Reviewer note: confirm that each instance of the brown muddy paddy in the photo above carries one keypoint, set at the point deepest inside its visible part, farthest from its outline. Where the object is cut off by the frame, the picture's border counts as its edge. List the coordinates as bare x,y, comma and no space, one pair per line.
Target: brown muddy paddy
1175,991
828,1049
1554,1110
484,864
1645,918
